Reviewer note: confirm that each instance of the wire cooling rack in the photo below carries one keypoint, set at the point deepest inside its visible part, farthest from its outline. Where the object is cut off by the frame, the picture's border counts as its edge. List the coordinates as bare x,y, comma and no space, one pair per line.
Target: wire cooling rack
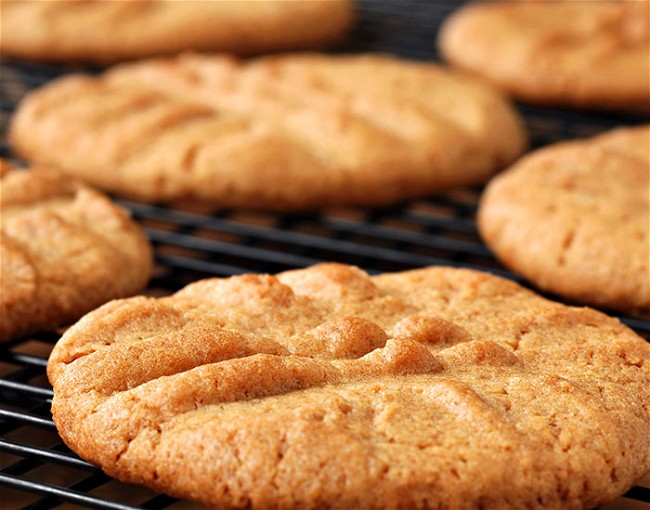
38,472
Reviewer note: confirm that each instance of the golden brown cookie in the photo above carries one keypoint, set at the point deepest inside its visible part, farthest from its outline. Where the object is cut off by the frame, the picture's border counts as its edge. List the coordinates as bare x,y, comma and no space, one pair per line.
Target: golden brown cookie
591,54
573,219
109,31
325,388
65,249
288,132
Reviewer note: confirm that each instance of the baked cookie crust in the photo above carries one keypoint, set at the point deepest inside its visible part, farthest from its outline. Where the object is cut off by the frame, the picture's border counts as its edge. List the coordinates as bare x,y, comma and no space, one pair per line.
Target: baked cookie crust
585,54
327,388
573,219
287,132
111,31
65,249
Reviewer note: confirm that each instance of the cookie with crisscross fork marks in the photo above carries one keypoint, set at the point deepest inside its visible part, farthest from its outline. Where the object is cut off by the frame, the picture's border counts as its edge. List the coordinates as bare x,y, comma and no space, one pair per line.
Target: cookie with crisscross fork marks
64,250
327,388
284,132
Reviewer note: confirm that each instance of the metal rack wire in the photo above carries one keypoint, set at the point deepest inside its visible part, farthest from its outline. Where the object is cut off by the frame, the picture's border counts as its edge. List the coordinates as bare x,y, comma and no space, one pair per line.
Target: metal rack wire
38,472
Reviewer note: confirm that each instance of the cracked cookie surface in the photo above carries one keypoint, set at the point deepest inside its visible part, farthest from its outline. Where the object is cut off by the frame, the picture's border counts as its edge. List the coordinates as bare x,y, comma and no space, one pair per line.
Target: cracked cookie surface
573,219
327,388
65,249
283,132
590,54
105,32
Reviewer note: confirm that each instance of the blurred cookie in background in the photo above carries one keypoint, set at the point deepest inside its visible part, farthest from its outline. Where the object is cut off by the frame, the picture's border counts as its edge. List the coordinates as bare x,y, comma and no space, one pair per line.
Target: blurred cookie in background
111,31
286,132
65,249
585,54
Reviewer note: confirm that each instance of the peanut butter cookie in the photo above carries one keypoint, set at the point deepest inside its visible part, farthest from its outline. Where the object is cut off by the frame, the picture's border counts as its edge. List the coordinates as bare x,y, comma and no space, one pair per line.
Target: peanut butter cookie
110,31
573,219
65,249
284,132
326,388
590,54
